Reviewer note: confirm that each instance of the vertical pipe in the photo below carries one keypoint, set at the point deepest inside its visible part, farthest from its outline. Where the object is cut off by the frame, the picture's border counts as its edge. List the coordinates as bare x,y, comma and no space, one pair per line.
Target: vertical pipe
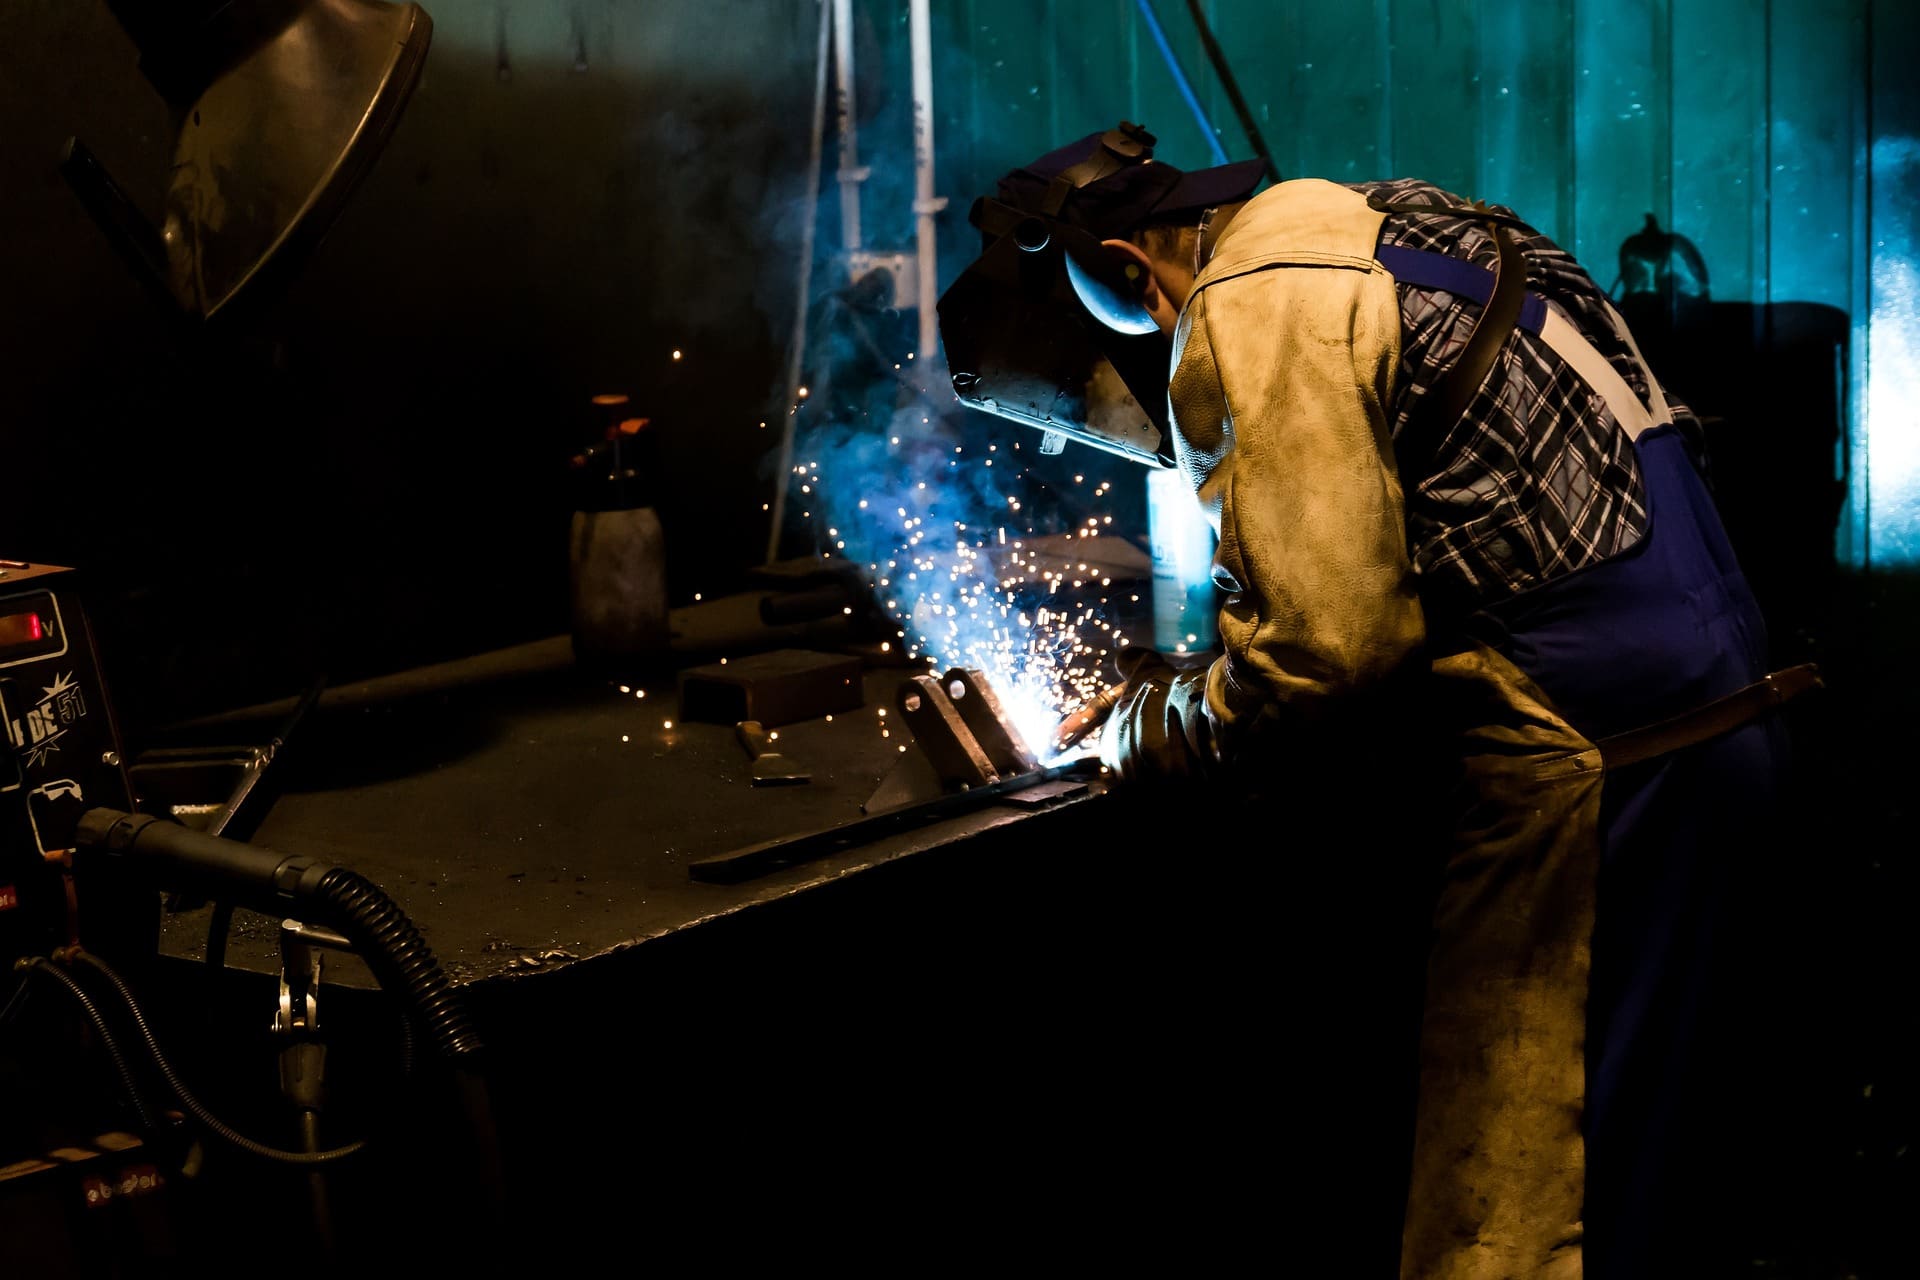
797,344
851,174
925,203
1180,81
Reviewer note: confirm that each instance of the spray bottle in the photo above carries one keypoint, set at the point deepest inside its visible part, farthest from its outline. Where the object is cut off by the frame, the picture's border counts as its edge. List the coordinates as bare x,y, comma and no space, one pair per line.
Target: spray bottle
616,552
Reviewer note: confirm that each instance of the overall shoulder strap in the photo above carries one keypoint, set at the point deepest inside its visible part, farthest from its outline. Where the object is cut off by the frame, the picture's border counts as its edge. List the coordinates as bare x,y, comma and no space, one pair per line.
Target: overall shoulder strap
1447,400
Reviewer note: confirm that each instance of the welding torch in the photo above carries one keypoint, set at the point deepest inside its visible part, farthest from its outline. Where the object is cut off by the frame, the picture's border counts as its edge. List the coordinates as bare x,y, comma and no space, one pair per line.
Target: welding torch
1092,714
1137,666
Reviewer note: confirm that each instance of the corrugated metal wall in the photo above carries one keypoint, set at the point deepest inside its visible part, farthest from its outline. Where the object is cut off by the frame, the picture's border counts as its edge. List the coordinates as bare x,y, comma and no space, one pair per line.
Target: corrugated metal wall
1781,136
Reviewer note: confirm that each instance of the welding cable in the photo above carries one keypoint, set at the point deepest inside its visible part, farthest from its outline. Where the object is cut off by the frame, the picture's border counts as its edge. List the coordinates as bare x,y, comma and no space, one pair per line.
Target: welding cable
399,957
405,965
15,1002
170,855
1180,81
213,1124
403,962
47,969
1218,57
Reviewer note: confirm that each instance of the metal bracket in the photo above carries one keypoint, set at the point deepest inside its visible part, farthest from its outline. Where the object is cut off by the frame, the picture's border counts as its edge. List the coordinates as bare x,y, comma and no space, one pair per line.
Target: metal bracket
965,736
301,947
960,726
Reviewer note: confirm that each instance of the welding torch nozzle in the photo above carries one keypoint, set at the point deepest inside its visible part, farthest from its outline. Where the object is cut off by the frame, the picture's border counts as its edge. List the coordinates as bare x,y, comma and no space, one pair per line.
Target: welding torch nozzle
1089,717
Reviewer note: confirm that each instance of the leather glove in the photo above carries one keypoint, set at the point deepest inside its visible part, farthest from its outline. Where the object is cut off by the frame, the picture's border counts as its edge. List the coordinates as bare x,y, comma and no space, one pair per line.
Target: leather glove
1159,729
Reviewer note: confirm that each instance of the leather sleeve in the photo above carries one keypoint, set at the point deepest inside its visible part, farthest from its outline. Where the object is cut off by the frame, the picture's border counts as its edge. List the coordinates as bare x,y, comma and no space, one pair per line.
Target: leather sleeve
1280,392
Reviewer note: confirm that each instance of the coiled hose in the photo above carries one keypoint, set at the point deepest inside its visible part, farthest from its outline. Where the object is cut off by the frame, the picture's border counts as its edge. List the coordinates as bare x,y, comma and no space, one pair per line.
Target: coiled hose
171,856
399,957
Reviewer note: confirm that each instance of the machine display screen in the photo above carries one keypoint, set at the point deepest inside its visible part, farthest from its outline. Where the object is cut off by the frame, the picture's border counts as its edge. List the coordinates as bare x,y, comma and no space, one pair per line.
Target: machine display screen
28,627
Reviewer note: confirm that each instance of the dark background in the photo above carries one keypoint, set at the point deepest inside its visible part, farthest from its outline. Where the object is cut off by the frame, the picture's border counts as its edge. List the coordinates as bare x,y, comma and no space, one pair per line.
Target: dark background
371,476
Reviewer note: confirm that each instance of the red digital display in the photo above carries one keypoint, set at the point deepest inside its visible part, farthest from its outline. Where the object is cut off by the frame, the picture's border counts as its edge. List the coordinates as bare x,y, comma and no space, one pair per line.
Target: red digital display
27,627
20,628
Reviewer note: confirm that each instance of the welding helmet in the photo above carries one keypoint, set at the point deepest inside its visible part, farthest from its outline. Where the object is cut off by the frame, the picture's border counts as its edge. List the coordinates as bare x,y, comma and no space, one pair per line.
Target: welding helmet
1047,326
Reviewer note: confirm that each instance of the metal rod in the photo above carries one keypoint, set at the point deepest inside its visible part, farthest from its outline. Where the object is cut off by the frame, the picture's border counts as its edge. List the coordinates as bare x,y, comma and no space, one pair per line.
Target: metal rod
1218,57
1180,81
851,174
754,860
925,203
803,289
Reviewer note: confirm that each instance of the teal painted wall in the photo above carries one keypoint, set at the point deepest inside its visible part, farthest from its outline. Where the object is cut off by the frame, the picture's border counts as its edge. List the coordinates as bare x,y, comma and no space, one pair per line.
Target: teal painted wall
581,186
1781,136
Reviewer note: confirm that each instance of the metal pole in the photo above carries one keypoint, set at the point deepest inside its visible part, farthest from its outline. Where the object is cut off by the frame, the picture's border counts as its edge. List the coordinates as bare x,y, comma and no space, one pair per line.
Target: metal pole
851,173
1219,59
1180,81
797,349
925,203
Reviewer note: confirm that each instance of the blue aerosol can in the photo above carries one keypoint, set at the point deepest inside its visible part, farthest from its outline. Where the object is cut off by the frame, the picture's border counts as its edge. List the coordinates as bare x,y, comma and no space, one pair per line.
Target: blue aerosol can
1186,607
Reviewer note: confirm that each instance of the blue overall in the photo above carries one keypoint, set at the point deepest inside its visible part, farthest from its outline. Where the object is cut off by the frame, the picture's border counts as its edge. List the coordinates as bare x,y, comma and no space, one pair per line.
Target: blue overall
1657,631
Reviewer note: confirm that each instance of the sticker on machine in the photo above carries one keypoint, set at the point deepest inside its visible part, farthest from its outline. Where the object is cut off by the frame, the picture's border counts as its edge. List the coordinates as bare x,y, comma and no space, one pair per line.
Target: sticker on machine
60,708
54,811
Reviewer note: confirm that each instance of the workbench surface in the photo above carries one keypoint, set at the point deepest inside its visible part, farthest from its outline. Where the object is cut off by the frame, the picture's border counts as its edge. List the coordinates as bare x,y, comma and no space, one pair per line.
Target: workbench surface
528,815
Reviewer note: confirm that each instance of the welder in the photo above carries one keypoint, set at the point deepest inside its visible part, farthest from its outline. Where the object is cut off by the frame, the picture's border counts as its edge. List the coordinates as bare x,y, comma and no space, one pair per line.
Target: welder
1454,509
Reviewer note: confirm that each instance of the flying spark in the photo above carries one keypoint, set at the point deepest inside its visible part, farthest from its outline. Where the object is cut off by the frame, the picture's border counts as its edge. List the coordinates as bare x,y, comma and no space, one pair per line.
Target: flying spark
968,592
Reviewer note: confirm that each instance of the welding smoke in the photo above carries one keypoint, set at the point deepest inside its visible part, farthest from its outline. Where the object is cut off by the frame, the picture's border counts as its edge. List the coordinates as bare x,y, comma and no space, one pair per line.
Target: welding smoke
956,522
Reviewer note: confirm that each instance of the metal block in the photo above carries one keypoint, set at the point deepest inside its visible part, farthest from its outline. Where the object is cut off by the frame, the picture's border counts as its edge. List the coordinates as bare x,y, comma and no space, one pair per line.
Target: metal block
1044,795
776,688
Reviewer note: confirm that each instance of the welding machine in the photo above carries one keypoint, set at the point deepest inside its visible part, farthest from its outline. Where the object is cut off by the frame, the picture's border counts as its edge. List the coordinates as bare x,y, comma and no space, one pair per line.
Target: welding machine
60,755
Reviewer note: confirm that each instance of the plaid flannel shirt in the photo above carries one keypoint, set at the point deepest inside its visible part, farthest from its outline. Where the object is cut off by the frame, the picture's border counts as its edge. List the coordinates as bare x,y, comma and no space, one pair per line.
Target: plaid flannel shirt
1537,479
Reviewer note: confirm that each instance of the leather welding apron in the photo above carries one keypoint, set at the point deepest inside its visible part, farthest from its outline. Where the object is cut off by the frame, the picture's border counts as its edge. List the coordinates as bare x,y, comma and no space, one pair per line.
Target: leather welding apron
1547,1047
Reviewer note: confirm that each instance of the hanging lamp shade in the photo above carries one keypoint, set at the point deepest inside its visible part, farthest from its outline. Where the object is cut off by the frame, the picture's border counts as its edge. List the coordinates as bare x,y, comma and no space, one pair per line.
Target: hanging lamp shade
279,107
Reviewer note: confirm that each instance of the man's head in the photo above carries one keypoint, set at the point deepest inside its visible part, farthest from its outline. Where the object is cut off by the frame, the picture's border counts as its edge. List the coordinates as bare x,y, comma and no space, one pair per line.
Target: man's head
1155,220
1168,257
1088,254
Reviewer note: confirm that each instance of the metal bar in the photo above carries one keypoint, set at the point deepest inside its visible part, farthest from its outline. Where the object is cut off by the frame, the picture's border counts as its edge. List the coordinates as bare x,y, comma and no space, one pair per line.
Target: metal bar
759,859
1219,59
851,173
803,290
925,203
1180,81
247,806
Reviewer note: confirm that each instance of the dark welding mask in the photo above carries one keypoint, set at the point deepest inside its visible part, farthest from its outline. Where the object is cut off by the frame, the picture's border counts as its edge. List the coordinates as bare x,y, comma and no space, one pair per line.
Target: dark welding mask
1047,326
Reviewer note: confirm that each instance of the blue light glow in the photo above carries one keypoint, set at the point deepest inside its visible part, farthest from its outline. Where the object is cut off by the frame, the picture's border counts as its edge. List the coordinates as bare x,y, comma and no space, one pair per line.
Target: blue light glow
1893,372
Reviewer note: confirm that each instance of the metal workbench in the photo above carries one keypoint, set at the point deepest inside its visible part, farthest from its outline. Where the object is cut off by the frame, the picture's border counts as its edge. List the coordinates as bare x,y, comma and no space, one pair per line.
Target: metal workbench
1067,1008
529,815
